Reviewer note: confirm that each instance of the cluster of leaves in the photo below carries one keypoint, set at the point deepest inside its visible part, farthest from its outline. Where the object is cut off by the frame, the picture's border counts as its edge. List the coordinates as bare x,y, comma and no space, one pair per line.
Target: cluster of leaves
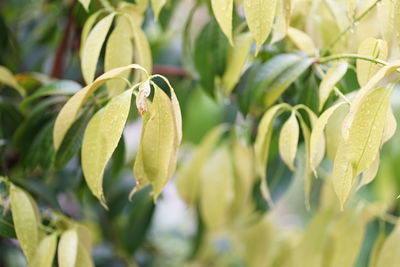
306,109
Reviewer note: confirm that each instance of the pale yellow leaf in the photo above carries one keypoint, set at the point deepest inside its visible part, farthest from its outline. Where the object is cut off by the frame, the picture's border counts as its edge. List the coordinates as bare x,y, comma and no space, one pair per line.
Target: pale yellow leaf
223,10
389,255
283,12
70,110
68,248
45,252
288,140
386,12
85,4
262,143
87,27
26,221
142,47
332,77
374,48
390,126
188,178
216,193
92,48
119,53
101,138
237,57
332,133
260,17
302,40
7,78
83,257
369,174
316,155
157,6
84,236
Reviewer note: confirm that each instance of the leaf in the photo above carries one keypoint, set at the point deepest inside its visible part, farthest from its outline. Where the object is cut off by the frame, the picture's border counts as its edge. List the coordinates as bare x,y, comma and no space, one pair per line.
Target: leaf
216,193
62,87
366,131
386,16
142,52
259,16
389,256
288,141
237,57
92,48
262,143
7,78
119,53
282,20
87,27
158,146
369,174
279,85
26,221
85,4
101,138
335,122
45,252
223,10
332,77
83,258
157,7
70,110
189,175
316,155
68,248
302,41
376,249
374,48
390,126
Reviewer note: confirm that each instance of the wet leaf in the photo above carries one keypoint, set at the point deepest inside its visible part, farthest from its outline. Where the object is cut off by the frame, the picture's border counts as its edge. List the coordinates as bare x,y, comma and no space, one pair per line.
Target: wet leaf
45,252
223,10
302,41
332,77
288,140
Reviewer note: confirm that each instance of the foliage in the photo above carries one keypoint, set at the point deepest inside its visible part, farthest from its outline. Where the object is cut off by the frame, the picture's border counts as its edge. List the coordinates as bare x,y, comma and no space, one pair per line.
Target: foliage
274,122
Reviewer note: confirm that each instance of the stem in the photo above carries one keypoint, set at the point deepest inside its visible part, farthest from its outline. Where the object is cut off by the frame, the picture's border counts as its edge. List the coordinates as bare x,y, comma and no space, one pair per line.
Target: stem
351,25
351,56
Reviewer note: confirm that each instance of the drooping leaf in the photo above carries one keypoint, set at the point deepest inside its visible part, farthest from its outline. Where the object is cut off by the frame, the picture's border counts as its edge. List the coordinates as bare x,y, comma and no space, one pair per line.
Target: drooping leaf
216,193
92,48
288,140
119,53
188,178
45,252
157,6
68,248
26,221
7,78
236,59
390,126
259,16
302,41
85,4
333,76
374,48
70,110
86,29
223,10
101,138
282,20
262,143
369,174
83,258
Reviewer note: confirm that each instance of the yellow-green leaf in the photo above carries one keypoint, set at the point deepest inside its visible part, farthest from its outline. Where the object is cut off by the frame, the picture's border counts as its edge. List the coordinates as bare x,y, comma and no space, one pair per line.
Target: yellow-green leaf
366,130
283,10
223,10
288,140
142,47
7,78
92,48
389,255
369,174
68,248
87,27
85,4
158,143
83,258
262,143
259,16
333,76
386,18
70,110
374,48
101,138
237,57
302,41
26,221
216,189
316,155
188,178
119,53
45,252
390,126
332,133
157,6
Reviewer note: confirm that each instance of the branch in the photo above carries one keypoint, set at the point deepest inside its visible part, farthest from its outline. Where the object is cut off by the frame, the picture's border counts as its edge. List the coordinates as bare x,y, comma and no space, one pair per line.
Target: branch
58,65
170,70
351,56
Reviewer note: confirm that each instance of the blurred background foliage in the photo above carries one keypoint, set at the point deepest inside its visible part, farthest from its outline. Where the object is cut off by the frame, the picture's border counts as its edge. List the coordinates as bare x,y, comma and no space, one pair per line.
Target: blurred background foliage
39,42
